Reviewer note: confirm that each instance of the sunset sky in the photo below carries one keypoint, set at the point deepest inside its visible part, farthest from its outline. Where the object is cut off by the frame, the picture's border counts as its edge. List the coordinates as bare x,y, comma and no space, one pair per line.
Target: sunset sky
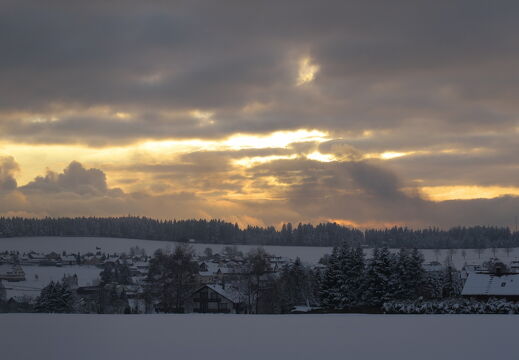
368,113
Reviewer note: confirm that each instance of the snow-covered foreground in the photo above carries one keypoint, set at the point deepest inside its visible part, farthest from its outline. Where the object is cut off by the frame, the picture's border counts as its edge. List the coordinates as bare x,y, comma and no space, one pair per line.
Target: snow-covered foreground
306,253
41,336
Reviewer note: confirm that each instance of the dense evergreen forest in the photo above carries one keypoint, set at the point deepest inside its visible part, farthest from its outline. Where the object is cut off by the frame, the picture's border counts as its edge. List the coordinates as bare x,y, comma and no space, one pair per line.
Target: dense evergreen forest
221,232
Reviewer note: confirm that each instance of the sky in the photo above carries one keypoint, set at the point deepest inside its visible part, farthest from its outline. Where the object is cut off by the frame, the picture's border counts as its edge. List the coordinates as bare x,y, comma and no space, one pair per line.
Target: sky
367,113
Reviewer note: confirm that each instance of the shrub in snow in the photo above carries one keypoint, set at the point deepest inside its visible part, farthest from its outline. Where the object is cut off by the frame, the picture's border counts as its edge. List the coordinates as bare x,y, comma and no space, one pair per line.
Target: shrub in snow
451,306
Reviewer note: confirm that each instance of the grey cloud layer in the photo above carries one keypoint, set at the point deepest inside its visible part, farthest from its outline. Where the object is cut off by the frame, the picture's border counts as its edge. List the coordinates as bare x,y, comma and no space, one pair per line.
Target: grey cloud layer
422,75
382,65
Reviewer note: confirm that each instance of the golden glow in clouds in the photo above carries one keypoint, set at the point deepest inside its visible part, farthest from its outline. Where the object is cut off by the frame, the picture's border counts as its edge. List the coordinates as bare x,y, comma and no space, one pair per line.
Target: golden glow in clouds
307,71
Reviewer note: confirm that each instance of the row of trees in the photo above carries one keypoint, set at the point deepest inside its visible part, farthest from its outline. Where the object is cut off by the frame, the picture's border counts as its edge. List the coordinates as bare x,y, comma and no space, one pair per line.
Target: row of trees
351,281
218,231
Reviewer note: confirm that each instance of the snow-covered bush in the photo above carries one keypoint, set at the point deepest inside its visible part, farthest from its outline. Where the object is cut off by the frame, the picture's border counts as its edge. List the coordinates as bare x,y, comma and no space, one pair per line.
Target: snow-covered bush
451,306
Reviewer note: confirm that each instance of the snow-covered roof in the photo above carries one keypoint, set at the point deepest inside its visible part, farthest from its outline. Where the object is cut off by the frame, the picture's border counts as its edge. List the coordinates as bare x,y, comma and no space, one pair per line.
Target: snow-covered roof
489,284
212,269
228,293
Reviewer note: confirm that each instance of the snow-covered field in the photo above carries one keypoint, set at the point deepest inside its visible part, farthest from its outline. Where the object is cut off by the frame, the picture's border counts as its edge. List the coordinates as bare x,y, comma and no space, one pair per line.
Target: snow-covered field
306,253
284,337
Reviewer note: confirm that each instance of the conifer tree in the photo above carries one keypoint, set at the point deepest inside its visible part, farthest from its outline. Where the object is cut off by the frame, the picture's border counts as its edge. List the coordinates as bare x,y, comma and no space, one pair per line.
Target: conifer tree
55,298
351,276
3,292
43,300
329,293
380,279
409,274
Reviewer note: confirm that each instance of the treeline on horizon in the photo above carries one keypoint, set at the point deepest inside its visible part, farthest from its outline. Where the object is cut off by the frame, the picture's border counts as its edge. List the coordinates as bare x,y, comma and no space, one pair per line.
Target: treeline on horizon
221,232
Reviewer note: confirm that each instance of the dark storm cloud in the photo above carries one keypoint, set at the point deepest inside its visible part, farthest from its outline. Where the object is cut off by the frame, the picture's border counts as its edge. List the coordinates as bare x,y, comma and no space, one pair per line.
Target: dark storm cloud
359,191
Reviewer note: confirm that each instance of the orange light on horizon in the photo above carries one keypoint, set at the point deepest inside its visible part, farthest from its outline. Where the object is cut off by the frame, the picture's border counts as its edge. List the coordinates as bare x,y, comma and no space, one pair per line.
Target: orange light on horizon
467,192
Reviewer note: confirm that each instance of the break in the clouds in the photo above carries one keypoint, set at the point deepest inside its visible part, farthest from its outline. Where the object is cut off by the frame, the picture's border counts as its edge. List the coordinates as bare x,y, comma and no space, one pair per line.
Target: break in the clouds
364,112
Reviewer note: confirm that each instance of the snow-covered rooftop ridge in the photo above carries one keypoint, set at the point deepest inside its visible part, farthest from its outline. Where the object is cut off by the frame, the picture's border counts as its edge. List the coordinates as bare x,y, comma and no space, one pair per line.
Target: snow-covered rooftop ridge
228,293
489,284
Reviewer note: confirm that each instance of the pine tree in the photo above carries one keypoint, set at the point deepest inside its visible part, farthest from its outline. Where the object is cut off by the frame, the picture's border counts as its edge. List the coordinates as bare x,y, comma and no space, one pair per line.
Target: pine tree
351,276
450,281
171,277
380,279
417,273
329,293
43,301
3,292
409,274
55,298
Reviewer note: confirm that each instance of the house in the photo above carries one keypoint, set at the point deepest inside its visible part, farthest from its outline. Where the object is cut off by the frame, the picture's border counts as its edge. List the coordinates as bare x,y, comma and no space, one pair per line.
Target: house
492,285
214,299
209,273
90,259
12,273
33,258
69,260
142,266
